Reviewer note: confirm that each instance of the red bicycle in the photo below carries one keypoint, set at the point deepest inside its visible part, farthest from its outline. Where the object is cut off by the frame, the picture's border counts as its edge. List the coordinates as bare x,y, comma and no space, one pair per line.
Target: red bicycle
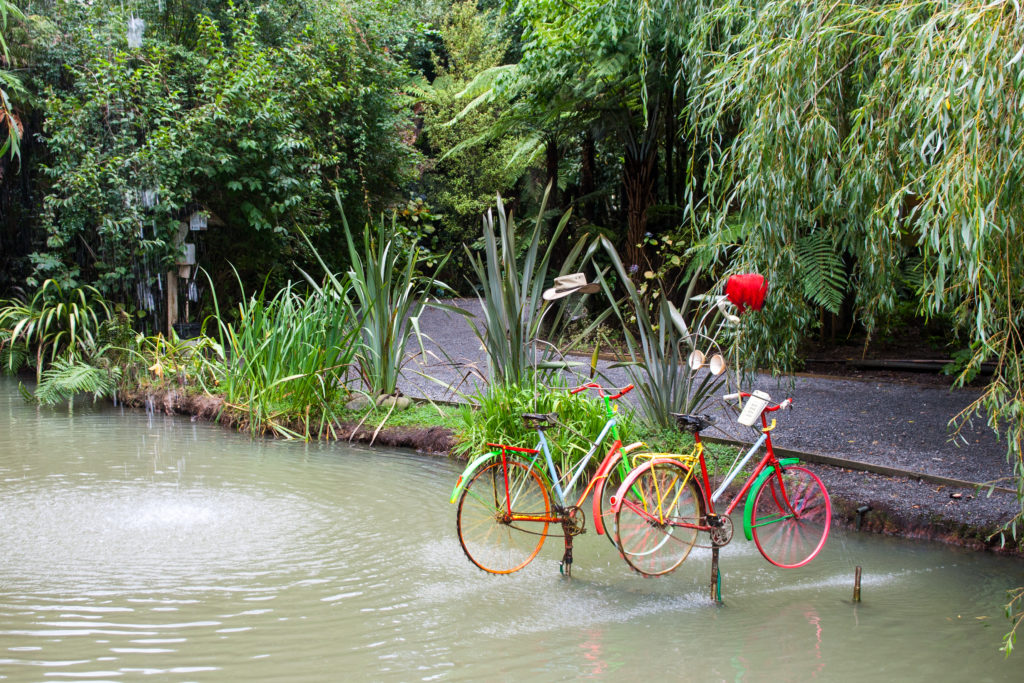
662,505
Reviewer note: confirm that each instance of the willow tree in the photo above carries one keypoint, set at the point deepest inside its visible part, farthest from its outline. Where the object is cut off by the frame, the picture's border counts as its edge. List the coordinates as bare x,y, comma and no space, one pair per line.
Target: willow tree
863,145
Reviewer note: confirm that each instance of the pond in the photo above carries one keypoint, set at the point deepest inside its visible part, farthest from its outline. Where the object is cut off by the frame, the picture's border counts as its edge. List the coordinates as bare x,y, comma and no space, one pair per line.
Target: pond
137,544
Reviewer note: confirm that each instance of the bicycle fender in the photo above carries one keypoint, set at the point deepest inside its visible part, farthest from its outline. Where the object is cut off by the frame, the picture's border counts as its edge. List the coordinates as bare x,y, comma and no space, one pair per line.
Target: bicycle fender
467,473
748,509
481,460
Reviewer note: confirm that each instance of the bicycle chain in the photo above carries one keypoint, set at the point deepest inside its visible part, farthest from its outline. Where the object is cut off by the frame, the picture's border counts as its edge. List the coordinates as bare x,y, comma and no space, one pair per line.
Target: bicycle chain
572,520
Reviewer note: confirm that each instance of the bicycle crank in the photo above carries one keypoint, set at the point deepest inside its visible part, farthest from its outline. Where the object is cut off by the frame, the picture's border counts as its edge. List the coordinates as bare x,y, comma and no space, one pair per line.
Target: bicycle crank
721,530
574,522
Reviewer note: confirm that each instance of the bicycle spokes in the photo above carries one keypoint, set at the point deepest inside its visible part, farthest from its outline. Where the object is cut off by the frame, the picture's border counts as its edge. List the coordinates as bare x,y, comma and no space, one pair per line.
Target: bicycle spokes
657,518
791,517
488,530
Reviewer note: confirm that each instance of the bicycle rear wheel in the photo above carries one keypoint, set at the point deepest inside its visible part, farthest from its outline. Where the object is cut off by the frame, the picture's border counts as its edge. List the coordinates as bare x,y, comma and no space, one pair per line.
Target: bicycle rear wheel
490,540
791,518
658,517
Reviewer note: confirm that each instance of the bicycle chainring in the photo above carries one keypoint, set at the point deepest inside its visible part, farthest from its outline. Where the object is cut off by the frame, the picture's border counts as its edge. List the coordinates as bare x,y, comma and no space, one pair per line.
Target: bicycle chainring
574,521
721,534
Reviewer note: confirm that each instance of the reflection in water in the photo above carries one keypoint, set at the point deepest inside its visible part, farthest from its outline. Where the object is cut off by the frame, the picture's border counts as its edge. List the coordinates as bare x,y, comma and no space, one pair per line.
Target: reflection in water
142,545
593,652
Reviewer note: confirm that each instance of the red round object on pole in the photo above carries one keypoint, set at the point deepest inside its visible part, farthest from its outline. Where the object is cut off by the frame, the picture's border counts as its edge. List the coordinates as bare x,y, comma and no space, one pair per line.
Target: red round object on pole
746,290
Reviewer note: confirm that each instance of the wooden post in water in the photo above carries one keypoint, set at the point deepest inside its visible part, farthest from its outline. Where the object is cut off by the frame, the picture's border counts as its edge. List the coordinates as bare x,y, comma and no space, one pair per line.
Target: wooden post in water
856,585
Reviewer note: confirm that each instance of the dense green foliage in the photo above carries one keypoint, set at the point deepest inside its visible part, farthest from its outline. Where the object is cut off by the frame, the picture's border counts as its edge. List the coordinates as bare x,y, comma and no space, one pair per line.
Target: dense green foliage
10,84
461,180
252,115
496,418
57,322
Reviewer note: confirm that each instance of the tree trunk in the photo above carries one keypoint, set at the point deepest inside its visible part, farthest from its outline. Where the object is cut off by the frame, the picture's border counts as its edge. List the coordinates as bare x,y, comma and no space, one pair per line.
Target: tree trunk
551,157
638,181
587,181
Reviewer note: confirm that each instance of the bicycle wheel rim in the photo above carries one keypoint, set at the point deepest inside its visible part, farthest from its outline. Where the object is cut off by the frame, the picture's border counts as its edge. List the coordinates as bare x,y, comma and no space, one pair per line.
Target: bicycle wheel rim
494,545
656,522
790,536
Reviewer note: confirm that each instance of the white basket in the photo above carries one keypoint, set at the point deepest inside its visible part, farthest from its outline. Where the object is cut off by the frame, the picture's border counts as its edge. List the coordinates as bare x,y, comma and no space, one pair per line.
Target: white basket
755,405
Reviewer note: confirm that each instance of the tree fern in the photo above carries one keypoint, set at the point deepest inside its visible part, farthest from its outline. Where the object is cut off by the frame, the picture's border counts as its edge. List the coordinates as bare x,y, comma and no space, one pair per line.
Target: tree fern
823,273
65,378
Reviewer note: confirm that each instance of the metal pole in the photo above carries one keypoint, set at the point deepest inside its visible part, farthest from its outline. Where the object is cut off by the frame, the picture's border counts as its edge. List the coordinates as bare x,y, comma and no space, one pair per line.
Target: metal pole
716,577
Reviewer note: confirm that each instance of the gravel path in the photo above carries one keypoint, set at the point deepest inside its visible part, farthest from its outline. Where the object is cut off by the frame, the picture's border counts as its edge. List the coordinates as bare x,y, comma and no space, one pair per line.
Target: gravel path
878,423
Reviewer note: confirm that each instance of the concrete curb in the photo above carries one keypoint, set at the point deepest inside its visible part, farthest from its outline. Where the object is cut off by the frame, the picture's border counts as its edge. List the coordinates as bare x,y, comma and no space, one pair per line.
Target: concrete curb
866,467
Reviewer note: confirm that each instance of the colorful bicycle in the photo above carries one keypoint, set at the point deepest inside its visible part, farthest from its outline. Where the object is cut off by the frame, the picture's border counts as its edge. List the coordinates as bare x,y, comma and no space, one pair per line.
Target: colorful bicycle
663,505
509,497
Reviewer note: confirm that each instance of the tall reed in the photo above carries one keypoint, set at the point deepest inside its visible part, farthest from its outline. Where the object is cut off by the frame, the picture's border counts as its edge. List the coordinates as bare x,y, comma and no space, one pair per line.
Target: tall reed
284,362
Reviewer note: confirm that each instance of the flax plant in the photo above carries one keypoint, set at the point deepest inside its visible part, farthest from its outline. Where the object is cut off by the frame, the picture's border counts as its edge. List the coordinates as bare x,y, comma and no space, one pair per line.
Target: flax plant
512,277
659,347
390,295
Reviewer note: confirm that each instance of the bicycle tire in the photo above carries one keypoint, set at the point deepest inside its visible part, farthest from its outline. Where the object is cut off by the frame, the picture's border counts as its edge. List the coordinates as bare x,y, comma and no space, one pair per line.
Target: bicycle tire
491,543
658,517
791,535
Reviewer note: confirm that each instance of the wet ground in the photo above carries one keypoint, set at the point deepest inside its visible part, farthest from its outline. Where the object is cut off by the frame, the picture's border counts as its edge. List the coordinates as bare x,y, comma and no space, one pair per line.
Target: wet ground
878,421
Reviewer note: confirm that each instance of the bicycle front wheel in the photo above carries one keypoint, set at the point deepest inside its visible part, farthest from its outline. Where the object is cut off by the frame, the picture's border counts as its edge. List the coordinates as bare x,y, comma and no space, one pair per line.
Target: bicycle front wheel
490,538
791,517
658,517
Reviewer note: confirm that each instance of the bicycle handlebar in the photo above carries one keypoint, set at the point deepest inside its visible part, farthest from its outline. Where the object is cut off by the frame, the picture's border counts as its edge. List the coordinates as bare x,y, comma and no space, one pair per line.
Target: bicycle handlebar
601,390
788,403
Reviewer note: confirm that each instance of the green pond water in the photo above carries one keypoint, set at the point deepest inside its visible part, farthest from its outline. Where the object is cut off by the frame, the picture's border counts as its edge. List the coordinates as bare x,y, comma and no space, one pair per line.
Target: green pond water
145,547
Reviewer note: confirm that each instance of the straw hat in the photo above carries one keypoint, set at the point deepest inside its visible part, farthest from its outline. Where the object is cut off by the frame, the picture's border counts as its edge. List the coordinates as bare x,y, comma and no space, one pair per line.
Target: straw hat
570,284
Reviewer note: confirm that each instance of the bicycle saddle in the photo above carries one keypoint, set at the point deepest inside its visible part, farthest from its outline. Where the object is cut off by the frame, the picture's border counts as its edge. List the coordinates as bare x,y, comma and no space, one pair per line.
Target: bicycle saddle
540,420
693,423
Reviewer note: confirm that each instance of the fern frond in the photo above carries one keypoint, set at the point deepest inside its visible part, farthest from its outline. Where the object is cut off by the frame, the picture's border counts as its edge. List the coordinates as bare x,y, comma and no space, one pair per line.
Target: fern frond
66,378
912,273
823,273
484,81
13,356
